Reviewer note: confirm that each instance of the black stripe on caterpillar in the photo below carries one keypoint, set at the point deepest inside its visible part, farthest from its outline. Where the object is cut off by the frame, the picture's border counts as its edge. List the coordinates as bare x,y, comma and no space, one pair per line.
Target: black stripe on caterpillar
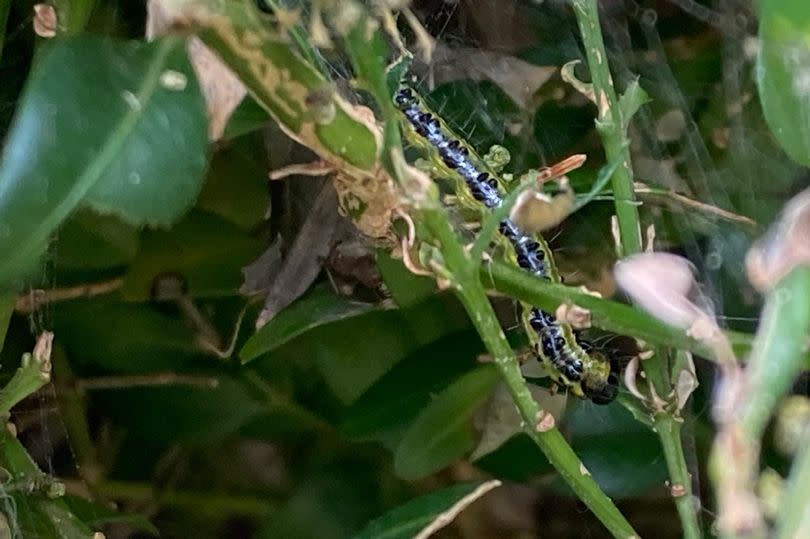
589,373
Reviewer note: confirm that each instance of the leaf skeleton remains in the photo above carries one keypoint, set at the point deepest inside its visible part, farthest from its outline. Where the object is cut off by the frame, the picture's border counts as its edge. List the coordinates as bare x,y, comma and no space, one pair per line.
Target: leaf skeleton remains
572,361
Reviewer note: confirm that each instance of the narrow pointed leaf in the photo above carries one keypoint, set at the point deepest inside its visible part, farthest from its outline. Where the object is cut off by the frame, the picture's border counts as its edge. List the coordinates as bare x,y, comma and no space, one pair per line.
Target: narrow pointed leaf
443,432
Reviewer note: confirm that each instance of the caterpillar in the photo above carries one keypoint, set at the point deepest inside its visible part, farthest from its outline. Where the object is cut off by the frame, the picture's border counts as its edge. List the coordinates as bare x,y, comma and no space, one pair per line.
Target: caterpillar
574,363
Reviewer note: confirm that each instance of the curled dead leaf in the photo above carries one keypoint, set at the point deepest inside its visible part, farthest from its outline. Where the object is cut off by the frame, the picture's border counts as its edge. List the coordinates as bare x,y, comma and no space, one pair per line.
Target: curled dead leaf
535,211
45,20
578,317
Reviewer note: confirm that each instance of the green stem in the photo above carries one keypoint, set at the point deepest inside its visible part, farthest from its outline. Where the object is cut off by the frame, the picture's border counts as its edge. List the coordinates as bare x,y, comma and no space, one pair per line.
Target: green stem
301,39
612,128
33,373
669,432
794,520
605,314
464,273
610,124
210,503
73,406
779,350
746,406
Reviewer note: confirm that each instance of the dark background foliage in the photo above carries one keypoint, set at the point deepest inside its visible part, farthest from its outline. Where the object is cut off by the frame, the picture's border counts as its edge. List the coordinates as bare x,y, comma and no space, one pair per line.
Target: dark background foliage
308,431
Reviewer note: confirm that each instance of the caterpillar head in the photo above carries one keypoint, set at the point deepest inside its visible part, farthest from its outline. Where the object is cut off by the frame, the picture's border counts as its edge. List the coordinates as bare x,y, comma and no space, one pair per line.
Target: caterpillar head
600,383
404,97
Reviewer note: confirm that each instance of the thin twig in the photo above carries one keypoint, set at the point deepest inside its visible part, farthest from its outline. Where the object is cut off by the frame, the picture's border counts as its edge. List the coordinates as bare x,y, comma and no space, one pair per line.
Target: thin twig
610,123
28,303
643,189
212,504
612,127
539,425
145,380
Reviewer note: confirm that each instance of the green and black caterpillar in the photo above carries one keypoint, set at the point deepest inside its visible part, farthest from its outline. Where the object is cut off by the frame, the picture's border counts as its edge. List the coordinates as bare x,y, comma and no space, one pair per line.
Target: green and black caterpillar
574,363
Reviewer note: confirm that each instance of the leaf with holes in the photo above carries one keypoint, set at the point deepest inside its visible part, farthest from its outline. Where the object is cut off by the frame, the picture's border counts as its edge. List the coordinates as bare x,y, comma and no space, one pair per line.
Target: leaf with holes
118,126
317,308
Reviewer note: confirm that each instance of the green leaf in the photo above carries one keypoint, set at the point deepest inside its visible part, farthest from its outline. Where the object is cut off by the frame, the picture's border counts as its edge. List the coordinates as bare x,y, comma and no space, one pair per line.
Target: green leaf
28,512
444,432
631,100
602,436
500,420
246,118
236,187
119,126
352,353
383,411
46,518
317,308
16,459
205,251
396,72
89,241
331,502
381,340
134,338
519,459
278,78
182,413
406,287
96,515
784,64
407,520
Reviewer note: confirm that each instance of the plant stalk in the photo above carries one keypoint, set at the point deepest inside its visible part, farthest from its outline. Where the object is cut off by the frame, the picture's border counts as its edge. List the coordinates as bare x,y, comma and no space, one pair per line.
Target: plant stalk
610,124
538,425
33,373
669,432
612,128
605,314
746,402
217,504
794,520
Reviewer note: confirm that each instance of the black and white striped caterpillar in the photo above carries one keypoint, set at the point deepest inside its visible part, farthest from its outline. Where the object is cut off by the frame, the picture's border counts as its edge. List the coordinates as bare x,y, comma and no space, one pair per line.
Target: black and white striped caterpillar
574,363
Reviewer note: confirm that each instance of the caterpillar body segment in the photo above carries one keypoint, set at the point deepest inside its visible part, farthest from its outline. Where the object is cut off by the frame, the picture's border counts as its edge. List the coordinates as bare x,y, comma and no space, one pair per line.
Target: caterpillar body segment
572,361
